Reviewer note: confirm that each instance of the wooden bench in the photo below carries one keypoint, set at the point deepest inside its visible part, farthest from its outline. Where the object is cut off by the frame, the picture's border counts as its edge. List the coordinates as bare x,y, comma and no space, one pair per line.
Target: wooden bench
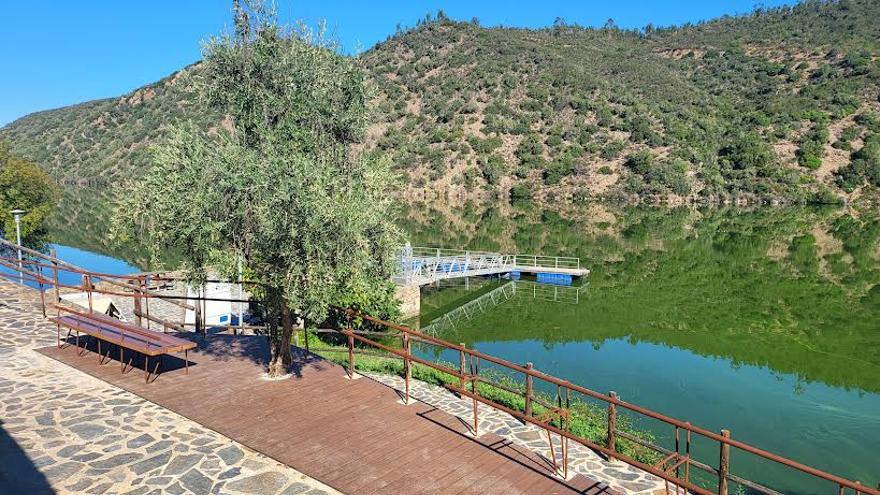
125,336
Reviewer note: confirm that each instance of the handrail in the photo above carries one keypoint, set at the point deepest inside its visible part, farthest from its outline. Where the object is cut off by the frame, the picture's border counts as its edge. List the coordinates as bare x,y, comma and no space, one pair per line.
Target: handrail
612,400
57,264
514,260
139,292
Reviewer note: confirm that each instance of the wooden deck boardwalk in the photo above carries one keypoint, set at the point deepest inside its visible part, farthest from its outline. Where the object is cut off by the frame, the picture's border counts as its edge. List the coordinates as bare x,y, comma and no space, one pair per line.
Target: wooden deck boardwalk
353,435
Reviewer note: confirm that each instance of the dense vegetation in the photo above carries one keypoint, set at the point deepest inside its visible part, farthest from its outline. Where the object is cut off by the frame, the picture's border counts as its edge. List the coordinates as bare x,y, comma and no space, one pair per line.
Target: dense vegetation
24,186
782,104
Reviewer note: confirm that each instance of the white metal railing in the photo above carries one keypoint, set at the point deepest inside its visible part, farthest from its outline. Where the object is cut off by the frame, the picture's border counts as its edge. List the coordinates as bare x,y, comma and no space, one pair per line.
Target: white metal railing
537,261
429,264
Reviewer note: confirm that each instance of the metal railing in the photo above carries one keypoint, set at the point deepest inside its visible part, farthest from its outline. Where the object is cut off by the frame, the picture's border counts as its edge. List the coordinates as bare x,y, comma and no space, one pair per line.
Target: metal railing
426,265
675,465
537,261
34,266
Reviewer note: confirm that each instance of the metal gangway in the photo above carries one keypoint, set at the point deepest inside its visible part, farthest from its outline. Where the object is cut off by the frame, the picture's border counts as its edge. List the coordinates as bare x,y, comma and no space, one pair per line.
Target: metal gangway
426,265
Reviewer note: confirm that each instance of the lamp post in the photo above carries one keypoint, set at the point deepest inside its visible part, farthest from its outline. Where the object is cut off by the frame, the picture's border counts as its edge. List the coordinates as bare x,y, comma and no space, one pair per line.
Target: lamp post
17,213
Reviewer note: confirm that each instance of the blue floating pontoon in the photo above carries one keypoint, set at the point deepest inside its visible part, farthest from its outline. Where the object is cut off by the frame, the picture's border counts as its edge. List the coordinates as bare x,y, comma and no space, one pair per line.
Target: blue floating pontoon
554,278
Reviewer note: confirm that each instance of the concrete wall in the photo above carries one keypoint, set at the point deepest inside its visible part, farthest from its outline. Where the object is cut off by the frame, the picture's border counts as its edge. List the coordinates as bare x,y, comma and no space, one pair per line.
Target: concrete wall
410,300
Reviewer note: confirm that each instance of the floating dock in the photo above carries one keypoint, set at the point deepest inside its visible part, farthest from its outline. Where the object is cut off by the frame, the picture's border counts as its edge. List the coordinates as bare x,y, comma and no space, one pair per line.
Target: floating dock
425,265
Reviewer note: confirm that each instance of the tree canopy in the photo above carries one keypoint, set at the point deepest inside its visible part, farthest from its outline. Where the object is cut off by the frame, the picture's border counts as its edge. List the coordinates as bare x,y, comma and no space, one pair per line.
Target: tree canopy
282,186
24,185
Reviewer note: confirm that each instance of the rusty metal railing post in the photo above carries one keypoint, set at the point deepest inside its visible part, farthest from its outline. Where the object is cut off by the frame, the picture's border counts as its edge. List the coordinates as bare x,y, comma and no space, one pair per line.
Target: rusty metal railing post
461,370
475,384
687,453
567,429
197,315
146,294
87,286
611,438
407,365
529,385
57,298
350,354
677,449
137,302
39,270
203,295
723,464
55,276
305,334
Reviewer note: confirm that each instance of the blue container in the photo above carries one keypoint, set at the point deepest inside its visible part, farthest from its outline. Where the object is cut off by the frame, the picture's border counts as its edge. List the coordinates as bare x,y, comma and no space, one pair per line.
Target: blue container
554,278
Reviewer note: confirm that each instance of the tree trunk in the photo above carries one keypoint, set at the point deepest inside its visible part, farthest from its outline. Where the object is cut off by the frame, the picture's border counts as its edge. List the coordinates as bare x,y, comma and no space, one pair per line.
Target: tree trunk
281,358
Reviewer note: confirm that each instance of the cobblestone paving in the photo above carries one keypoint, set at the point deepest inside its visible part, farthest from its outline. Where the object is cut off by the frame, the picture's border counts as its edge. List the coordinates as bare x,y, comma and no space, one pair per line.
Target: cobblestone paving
86,436
582,460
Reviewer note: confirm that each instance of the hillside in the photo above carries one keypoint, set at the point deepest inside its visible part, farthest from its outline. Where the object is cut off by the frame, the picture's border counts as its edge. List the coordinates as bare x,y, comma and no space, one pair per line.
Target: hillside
780,105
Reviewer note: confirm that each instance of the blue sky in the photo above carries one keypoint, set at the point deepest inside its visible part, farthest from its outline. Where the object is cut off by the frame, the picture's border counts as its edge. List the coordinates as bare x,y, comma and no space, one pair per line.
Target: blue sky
57,53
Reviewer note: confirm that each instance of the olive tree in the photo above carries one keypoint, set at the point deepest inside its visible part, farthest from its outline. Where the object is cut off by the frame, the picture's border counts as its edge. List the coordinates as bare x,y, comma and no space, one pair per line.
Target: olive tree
280,185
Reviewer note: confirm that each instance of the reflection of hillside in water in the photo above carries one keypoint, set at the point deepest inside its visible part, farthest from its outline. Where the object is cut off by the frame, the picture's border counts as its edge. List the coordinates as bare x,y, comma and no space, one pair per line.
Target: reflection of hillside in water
83,220
794,289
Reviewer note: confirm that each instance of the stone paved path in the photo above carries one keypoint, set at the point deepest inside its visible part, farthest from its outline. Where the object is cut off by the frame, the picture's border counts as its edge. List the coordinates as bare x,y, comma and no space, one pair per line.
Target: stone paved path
63,431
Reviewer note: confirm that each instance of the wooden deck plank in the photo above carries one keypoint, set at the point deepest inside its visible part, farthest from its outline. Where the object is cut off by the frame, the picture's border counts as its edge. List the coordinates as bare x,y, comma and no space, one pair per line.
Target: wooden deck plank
351,434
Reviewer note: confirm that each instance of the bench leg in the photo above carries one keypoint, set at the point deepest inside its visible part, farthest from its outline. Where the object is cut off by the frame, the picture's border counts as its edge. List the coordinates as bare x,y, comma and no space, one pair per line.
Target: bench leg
126,367
101,354
186,361
155,373
85,347
106,358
